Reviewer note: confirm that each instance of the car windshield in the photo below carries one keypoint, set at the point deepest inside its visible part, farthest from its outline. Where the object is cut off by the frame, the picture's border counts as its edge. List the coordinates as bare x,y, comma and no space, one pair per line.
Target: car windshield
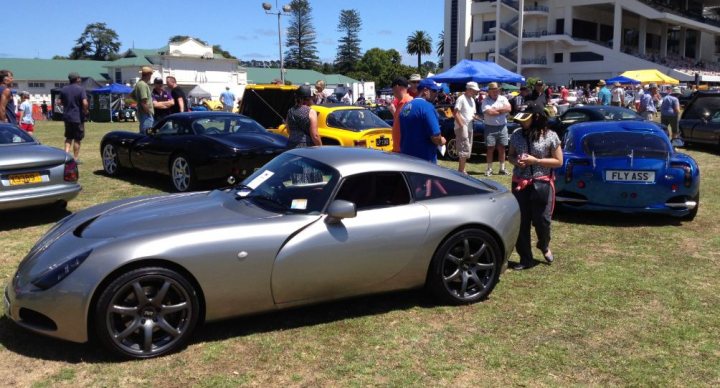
626,143
13,135
619,114
355,120
226,125
290,184
704,106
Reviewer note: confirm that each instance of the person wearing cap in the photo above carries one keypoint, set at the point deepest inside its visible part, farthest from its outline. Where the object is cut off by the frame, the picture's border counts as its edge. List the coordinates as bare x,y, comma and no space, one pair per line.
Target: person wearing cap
419,124
534,152
301,121
604,95
670,112
617,95
75,109
7,103
495,108
162,100
414,82
400,97
27,123
228,99
143,96
464,114
517,104
647,108
539,93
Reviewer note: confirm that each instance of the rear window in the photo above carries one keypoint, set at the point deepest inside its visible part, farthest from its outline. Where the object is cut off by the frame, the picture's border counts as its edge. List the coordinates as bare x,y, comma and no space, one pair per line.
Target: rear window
625,144
355,120
13,135
702,106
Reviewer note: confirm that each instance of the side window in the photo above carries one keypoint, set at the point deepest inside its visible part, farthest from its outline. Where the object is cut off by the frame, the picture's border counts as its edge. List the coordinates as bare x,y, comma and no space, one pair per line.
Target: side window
574,117
376,189
426,187
169,128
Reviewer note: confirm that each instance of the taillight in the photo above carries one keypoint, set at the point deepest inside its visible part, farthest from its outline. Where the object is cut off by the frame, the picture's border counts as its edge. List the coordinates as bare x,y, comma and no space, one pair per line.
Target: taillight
570,164
71,172
687,172
360,143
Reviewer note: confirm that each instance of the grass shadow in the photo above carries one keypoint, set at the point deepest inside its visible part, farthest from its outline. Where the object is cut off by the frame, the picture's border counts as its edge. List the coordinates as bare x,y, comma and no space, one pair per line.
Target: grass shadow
151,180
617,219
33,216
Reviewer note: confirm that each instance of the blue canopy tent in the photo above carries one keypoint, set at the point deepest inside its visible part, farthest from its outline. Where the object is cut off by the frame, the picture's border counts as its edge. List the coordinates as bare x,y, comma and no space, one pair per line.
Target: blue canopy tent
102,103
478,71
622,80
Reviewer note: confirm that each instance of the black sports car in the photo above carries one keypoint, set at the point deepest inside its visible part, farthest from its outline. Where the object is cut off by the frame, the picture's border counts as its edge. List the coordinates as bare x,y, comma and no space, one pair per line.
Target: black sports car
192,147
583,113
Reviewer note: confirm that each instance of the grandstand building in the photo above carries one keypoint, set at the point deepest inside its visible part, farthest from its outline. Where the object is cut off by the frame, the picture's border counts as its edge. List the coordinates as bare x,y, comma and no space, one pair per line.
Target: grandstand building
578,41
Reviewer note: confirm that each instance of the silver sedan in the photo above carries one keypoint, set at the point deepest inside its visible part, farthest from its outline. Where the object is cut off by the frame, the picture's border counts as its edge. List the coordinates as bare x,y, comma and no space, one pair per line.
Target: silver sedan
312,225
32,174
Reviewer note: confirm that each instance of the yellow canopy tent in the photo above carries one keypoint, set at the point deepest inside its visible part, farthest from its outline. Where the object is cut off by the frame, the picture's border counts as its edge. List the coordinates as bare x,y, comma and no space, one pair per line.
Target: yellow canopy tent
650,76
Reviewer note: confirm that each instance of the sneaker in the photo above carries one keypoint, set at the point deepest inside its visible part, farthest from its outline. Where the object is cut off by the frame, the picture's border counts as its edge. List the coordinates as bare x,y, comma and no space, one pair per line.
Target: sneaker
488,172
503,172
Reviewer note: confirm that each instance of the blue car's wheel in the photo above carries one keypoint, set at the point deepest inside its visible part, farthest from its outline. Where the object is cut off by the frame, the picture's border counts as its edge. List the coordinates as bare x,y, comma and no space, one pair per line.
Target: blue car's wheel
147,312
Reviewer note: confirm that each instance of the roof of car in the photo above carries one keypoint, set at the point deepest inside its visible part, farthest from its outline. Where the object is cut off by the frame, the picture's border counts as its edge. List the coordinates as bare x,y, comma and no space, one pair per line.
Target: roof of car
204,113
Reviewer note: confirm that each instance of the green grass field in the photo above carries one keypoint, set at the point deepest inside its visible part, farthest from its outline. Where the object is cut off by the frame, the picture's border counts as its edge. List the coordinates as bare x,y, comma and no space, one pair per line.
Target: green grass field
630,300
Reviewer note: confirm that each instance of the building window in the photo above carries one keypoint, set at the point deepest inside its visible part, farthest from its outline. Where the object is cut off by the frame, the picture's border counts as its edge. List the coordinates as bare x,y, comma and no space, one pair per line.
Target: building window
558,57
487,26
60,84
36,84
585,56
118,76
453,32
560,26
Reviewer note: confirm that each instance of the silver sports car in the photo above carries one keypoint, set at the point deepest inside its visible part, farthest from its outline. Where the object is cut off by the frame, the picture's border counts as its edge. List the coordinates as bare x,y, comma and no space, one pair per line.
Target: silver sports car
32,174
312,225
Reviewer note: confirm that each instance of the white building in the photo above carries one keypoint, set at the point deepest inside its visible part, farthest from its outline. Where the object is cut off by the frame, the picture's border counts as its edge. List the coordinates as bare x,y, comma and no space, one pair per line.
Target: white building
566,41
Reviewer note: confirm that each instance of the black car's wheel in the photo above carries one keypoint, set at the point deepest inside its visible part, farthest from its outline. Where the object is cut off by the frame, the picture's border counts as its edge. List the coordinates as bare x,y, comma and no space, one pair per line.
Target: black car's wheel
182,173
147,312
111,163
465,268
451,151
691,216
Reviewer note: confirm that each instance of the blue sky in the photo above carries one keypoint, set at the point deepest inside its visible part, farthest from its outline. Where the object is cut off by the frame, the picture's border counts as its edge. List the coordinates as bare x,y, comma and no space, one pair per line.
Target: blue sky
43,28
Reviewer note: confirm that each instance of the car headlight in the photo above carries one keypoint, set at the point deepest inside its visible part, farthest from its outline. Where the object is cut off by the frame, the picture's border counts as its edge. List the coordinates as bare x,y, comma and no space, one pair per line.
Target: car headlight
57,272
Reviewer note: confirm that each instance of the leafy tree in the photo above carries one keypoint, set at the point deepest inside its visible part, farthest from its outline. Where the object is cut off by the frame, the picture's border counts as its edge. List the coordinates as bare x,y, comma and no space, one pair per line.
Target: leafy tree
429,66
59,57
219,50
440,48
419,43
348,53
381,66
301,37
97,42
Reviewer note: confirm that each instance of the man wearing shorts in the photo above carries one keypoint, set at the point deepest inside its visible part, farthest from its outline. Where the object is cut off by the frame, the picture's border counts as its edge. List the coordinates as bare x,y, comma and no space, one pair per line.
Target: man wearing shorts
495,108
75,109
464,113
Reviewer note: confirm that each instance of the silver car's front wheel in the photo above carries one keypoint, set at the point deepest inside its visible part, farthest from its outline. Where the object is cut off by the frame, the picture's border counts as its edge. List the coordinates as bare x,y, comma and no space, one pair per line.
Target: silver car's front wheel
465,268
182,174
147,313
111,165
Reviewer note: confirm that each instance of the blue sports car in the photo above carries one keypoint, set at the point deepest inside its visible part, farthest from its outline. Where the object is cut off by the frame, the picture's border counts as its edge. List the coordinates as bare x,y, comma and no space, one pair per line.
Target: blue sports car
629,167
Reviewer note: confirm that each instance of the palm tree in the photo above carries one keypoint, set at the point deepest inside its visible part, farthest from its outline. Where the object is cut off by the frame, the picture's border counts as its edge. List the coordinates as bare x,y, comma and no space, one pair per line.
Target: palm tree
440,49
419,43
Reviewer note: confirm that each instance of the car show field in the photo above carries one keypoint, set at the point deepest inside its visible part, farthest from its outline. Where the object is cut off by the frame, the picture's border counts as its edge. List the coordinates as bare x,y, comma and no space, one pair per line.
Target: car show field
629,300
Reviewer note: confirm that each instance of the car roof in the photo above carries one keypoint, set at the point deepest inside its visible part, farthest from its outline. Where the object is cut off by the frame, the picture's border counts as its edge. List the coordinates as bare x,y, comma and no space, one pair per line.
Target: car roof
200,114
581,129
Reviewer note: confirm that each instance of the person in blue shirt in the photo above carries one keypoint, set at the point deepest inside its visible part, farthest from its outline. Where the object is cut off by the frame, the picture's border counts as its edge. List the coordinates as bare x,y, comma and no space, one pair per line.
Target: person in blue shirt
228,99
604,95
419,124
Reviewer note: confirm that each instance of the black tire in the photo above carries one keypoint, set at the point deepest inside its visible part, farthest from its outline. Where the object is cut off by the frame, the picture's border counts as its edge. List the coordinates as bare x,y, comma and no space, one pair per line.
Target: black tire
693,213
147,312
110,160
466,267
451,151
182,174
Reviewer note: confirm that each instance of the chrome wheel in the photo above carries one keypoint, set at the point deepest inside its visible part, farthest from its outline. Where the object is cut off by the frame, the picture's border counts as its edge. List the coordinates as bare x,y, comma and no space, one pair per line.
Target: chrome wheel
466,268
181,174
147,313
451,151
110,159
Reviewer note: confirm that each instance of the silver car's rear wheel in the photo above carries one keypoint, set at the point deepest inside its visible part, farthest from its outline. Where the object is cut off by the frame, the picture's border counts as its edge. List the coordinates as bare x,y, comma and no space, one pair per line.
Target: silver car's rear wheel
182,174
147,313
465,268
111,165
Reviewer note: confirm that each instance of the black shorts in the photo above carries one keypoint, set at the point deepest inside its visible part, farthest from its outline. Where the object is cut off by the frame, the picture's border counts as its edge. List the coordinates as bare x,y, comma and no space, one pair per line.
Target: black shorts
74,131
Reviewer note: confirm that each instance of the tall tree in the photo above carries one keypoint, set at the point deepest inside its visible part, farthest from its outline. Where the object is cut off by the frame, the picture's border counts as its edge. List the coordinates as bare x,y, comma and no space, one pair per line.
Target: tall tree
97,42
419,43
301,37
381,66
440,48
348,53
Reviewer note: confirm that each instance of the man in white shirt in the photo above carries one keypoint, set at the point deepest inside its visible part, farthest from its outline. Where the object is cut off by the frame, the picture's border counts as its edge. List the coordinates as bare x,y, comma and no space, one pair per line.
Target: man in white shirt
495,108
464,113
617,97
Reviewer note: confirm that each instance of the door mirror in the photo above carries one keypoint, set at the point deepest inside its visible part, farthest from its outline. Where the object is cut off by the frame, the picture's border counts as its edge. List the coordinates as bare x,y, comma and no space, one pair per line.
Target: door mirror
340,209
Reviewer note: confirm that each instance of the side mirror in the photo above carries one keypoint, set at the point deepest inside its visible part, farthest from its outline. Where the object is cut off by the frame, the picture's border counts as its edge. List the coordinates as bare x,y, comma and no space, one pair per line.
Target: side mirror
340,209
677,142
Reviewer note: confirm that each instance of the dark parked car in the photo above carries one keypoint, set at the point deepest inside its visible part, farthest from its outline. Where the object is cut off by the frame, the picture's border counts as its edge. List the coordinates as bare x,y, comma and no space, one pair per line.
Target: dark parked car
700,122
192,147
583,113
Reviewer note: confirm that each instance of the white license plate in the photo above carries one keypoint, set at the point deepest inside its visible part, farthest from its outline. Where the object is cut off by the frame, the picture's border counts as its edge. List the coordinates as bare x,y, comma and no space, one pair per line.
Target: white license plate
629,176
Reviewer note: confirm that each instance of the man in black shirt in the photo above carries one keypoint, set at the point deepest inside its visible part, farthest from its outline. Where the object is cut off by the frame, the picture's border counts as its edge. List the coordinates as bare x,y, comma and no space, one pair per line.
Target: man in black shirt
539,94
178,95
